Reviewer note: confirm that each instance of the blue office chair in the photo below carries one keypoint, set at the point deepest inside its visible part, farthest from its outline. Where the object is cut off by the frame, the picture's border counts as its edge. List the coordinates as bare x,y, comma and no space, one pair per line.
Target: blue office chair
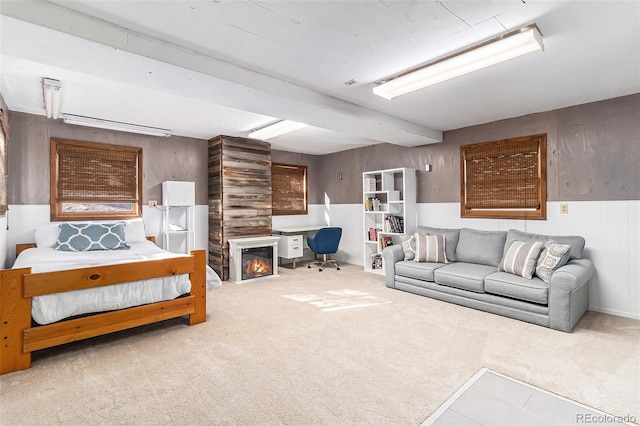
325,242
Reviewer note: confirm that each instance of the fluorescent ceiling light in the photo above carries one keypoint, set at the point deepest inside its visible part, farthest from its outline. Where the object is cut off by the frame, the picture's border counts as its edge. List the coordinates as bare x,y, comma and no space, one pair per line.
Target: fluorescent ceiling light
276,129
115,125
51,92
491,52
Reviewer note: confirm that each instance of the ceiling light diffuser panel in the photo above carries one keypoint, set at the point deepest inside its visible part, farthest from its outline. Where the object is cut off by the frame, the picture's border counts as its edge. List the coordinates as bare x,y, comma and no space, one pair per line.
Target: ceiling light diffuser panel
276,129
509,46
115,125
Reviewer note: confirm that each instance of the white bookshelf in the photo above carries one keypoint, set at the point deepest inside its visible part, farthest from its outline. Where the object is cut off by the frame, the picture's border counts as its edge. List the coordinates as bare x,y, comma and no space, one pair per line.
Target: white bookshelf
178,200
387,195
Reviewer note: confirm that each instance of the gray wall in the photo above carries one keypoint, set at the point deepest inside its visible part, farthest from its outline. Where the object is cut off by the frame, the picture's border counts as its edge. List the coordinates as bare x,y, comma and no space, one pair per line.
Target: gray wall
593,154
173,158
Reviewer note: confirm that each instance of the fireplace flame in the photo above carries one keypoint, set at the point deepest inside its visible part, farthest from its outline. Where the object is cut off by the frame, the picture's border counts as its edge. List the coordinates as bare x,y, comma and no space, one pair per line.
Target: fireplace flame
257,267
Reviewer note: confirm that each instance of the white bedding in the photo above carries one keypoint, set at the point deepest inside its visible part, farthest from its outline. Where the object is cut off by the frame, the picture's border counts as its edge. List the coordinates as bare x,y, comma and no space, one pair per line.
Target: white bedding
55,307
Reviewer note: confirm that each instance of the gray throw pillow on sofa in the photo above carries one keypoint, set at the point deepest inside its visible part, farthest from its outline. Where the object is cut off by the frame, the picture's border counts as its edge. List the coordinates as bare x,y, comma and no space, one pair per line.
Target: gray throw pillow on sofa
576,242
450,238
483,247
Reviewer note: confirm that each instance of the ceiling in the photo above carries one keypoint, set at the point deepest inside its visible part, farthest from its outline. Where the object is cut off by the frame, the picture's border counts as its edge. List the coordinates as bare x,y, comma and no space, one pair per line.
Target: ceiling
204,68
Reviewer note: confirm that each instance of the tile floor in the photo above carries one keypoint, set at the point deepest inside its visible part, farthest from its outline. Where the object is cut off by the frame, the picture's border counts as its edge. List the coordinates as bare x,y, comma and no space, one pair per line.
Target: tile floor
491,398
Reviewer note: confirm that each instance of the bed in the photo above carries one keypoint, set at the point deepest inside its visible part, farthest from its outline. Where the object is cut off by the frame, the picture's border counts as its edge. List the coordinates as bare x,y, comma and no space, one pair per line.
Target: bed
52,297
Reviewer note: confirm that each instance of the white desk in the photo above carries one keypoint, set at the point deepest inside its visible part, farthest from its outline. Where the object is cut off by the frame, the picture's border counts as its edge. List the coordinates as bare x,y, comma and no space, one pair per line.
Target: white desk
298,229
291,245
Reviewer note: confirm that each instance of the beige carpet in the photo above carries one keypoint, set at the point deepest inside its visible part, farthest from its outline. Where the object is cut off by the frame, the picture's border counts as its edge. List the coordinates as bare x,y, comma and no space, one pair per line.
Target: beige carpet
311,348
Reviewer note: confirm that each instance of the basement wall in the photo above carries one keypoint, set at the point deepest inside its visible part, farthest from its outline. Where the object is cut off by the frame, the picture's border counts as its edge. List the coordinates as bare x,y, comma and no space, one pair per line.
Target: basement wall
593,154
172,158
593,166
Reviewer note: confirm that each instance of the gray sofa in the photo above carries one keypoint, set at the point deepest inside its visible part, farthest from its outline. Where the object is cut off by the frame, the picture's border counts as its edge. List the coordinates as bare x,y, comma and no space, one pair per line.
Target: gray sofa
471,277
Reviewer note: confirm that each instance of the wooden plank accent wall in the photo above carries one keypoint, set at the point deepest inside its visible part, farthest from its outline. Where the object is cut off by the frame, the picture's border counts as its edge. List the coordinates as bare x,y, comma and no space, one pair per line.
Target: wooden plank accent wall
239,195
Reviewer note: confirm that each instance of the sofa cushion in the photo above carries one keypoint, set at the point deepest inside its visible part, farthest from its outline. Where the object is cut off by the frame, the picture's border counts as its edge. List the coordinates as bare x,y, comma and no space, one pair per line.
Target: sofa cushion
505,284
483,247
419,271
450,237
466,276
430,248
550,259
520,258
576,243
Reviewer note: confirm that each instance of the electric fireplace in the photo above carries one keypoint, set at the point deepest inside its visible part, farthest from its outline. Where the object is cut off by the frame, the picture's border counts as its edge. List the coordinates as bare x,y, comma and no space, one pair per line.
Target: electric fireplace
253,258
256,262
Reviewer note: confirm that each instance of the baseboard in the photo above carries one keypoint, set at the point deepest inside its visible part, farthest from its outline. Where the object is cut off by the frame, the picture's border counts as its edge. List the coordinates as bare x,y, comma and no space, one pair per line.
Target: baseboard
615,312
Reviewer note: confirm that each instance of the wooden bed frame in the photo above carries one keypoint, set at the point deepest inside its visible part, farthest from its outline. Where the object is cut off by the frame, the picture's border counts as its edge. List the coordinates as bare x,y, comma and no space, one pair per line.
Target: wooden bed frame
18,286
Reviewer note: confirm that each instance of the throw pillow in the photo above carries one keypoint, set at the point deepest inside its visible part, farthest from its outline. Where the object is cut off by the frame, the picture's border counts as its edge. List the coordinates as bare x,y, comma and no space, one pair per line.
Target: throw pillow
550,259
409,247
520,258
430,248
91,236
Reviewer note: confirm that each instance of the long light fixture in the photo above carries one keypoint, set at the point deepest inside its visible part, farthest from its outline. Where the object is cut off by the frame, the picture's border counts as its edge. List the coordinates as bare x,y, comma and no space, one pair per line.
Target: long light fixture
51,89
276,129
115,125
508,46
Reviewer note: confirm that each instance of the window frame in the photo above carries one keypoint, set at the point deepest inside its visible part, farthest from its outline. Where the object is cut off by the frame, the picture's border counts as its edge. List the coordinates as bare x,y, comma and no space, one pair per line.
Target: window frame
294,170
57,214
502,209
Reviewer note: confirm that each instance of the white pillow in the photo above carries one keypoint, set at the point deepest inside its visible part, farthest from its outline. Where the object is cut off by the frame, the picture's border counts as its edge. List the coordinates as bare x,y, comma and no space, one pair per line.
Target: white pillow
46,235
134,230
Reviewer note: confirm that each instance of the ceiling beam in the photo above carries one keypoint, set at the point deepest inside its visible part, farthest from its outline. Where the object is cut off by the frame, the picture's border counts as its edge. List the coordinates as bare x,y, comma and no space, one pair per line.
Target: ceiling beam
244,89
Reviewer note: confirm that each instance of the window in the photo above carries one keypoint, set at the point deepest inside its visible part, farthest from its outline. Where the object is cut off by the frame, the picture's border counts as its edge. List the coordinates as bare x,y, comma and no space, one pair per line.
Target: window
504,179
4,135
95,181
290,187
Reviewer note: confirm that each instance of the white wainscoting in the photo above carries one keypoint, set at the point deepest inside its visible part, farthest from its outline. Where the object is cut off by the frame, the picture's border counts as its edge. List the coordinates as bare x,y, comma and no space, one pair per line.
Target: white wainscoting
23,219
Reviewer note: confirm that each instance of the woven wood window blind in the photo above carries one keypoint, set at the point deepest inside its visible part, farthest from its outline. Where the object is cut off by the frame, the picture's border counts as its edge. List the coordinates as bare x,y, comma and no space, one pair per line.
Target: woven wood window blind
87,172
290,187
505,178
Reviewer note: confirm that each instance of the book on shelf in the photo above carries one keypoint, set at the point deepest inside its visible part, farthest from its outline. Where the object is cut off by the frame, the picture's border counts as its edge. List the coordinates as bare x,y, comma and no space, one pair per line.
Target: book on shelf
372,204
376,261
394,224
385,241
373,234
369,184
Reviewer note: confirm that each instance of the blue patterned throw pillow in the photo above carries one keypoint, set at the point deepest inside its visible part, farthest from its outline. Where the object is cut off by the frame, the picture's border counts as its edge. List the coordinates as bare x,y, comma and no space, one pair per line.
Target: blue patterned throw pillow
91,236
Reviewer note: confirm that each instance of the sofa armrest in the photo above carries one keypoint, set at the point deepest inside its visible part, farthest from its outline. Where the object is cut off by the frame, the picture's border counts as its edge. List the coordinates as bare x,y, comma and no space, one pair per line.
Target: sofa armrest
569,293
391,255
571,276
